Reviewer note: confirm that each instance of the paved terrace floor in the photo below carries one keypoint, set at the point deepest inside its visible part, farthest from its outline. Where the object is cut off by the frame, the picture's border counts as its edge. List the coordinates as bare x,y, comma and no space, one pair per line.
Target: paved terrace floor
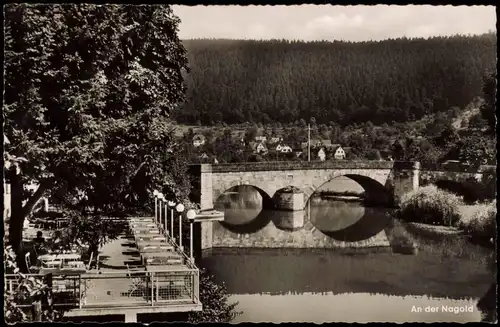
115,288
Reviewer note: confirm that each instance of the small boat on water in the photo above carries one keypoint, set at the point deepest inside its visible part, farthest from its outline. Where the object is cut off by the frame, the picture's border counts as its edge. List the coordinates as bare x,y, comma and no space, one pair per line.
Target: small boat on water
209,215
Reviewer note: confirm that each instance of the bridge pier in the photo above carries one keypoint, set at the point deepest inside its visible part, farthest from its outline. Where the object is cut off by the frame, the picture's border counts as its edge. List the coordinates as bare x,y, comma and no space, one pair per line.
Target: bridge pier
406,176
289,201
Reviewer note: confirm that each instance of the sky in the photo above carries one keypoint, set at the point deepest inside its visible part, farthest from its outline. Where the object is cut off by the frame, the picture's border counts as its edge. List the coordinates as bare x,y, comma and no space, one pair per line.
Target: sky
327,22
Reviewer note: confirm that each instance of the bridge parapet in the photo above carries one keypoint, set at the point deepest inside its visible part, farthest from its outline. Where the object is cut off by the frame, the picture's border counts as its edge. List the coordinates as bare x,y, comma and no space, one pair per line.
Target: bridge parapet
310,165
457,167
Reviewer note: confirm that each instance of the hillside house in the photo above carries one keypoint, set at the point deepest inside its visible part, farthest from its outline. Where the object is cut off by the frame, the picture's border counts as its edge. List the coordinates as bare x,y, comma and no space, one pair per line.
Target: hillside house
198,140
260,139
258,147
322,154
338,152
275,139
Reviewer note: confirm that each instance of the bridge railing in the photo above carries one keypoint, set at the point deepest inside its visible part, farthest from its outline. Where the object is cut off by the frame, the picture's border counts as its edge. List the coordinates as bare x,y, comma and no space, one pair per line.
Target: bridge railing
345,164
302,165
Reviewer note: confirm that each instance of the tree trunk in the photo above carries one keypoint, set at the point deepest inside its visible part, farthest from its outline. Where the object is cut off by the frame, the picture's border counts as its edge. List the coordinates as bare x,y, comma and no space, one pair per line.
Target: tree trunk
17,220
19,213
36,308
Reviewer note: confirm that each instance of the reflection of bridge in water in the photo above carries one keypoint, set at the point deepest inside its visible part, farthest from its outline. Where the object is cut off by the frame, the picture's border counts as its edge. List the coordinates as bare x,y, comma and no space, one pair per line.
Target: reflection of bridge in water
384,183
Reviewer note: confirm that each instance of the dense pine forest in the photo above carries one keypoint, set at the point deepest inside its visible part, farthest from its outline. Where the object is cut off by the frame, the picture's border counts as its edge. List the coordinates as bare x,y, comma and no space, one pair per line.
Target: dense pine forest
341,83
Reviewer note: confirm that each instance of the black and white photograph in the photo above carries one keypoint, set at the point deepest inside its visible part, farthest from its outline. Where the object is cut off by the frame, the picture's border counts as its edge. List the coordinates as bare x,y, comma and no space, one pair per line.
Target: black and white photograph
249,163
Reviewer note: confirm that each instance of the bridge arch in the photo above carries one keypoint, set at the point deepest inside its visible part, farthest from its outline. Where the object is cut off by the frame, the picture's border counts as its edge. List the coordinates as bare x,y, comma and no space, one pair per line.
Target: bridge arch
376,193
243,216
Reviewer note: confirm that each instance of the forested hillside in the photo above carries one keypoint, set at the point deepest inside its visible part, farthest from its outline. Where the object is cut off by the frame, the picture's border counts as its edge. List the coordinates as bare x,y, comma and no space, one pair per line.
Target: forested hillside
398,80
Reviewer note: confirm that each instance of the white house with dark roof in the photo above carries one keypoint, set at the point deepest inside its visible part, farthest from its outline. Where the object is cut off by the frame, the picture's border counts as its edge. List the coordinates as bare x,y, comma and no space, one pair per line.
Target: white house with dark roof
338,152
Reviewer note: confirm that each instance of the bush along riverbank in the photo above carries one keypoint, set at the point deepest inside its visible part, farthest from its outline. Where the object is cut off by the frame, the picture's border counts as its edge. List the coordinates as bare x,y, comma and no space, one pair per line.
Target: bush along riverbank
430,218
429,222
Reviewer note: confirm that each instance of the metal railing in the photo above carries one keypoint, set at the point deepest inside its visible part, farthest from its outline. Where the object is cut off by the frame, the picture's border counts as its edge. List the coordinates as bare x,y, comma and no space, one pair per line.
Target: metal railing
115,289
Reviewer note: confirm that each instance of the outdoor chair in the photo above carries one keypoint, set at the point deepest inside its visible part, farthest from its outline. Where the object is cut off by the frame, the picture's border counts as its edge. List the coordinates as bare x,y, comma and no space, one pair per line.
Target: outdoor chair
137,282
31,268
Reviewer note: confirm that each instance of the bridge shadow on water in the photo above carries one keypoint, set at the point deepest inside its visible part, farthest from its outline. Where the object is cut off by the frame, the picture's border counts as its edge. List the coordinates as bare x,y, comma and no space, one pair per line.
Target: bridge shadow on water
248,210
371,222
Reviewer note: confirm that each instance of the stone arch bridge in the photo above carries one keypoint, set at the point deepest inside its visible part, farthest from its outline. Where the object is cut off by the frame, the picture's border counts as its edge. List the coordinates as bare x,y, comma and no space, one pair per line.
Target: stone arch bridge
381,180
391,178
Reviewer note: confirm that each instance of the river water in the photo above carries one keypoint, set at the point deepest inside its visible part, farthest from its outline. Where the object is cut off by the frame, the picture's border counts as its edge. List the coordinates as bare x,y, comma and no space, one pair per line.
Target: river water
318,285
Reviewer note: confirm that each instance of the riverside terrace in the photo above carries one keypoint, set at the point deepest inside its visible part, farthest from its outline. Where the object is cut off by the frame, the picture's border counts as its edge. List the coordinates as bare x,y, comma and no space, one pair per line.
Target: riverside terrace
143,271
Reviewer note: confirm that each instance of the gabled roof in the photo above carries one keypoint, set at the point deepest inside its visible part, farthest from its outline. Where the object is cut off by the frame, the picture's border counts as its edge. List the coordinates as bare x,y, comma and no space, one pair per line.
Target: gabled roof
5,139
198,137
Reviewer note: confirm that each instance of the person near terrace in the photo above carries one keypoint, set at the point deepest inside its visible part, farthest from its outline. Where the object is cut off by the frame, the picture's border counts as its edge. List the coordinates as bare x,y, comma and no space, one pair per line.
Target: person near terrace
39,246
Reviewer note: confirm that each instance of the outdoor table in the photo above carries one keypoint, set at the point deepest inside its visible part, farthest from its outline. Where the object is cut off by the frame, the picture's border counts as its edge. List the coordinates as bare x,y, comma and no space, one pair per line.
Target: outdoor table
163,268
156,248
146,230
152,242
141,220
60,256
157,244
161,258
63,271
142,225
149,237
76,264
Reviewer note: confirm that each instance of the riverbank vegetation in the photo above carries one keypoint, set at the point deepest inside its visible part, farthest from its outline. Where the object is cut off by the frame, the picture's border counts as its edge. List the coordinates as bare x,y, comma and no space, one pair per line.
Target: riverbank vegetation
431,218
430,205
483,223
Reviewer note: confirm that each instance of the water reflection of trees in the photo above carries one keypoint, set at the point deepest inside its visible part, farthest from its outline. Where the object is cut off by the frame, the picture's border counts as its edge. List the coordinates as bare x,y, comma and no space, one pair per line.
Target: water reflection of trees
241,204
282,271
